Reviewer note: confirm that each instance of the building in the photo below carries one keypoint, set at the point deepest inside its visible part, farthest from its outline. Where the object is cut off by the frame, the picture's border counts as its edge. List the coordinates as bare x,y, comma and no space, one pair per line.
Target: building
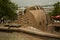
48,8
35,16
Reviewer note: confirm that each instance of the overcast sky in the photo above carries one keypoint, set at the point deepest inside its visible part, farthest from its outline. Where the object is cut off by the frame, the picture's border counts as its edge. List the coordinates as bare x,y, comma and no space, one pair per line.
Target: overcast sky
34,2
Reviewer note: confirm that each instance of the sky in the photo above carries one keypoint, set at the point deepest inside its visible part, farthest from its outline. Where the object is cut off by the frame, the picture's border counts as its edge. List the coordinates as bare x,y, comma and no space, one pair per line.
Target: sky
34,2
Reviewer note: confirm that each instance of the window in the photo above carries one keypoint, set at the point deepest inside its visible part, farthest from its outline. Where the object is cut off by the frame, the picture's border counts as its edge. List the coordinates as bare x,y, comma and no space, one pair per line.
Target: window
57,28
25,10
40,23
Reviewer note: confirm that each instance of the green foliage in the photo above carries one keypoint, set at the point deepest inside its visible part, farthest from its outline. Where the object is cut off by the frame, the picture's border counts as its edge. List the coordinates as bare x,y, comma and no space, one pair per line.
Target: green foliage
56,10
8,10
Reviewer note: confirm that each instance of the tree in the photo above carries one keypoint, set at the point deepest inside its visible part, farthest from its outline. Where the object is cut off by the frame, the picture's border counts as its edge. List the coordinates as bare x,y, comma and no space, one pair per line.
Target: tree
8,10
56,10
